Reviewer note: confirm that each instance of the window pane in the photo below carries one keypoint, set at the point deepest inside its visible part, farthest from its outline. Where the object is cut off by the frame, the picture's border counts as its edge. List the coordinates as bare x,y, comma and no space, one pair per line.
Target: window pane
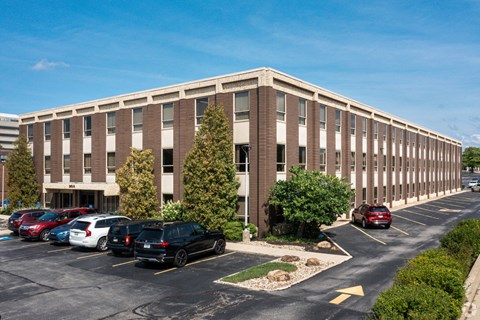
240,157
87,163
111,162
47,165
30,132
323,117
87,126
111,122
66,128
137,119
167,116
280,106
302,111
167,158
323,159
302,157
201,106
280,158
66,163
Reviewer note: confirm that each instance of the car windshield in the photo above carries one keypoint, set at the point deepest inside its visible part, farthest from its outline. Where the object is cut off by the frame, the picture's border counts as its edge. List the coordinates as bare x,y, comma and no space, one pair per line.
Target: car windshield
379,209
150,235
49,216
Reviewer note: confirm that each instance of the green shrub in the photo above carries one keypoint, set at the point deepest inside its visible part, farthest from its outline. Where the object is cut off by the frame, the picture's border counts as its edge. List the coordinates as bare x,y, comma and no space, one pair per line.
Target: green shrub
435,269
233,230
463,242
172,211
416,302
252,228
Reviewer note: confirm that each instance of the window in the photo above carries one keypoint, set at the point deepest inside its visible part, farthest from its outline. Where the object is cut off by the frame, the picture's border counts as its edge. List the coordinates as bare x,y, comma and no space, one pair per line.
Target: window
323,117
302,157
375,194
364,127
384,194
281,106
87,163
364,161
66,163
338,160
280,158
323,159
375,130
111,123
401,191
384,134
167,115
47,130
338,120
167,160
393,134
352,124
352,161
111,162
364,195
48,165
401,164
167,197
302,111
400,136
393,193
384,163
242,106
408,164
240,157
407,138
87,126
66,129
30,132
137,119
375,162
201,105
393,163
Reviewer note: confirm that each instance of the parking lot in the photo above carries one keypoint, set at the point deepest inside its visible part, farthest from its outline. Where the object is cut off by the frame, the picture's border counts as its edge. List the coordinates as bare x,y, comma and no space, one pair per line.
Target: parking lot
43,281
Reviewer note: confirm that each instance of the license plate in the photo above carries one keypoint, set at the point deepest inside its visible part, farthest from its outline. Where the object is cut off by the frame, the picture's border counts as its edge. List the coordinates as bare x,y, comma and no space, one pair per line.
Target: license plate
146,245
115,240
380,215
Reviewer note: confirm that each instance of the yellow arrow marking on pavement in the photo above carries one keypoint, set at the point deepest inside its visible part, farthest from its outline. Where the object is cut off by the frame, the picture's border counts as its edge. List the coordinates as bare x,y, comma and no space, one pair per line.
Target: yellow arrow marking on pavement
347,293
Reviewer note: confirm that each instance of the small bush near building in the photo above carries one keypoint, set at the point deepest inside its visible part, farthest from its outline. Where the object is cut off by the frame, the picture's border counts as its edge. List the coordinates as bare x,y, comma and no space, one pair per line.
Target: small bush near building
172,211
415,302
233,230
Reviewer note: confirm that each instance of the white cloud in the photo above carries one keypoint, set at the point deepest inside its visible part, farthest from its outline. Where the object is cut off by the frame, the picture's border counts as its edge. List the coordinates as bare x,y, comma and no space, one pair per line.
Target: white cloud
44,64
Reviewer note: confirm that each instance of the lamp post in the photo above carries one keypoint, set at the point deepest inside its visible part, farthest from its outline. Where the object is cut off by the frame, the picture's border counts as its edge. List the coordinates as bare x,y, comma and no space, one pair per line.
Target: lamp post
246,232
3,159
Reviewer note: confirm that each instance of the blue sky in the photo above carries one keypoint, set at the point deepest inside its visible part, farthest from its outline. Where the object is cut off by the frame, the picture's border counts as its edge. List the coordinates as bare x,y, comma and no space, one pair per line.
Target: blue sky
419,60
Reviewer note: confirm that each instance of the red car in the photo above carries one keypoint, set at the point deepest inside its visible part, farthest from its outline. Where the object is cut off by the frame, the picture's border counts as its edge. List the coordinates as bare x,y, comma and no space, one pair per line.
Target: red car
39,230
23,216
372,215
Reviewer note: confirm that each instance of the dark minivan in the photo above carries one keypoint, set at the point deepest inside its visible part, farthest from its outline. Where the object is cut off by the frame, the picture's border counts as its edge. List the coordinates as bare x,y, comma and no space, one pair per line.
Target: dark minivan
121,236
176,241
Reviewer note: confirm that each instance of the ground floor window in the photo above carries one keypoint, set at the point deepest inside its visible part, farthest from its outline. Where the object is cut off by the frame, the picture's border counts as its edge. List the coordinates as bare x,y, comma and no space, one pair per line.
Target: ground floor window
111,204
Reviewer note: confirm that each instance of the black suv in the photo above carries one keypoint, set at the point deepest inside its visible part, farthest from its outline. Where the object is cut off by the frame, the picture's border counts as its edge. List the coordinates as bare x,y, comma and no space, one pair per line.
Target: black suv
121,236
176,241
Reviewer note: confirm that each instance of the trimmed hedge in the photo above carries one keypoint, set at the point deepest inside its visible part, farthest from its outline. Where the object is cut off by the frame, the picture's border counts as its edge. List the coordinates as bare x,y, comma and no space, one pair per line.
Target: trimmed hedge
416,302
234,230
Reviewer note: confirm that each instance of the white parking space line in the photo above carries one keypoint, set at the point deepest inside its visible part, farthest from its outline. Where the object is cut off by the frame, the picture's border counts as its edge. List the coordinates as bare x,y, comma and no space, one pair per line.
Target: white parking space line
455,205
380,241
405,233
438,207
123,263
29,246
195,262
92,255
420,214
59,250
430,210
422,224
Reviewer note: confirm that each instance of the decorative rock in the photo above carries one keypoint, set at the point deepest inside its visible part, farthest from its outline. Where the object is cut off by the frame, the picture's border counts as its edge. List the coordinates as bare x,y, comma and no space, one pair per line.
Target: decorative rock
324,244
278,275
312,262
289,258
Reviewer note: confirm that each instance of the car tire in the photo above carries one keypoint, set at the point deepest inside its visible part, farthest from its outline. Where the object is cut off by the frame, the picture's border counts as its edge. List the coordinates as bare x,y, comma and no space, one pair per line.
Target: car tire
364,224
353,219
387,226
219,247
102,244
180,259
44,235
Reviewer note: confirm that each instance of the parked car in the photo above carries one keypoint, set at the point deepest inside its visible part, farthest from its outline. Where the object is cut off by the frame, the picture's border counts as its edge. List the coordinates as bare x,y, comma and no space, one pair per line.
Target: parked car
476,188
91,232
61,234
121,236
28,215
175,242
472,183
369,215
39,230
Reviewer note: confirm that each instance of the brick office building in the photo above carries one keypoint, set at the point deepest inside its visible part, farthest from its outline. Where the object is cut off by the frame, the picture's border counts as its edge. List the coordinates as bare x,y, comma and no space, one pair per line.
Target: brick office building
284,120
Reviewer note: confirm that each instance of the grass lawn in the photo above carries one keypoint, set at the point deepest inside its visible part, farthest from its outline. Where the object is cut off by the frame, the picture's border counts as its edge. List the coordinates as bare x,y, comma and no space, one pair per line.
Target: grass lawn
259,271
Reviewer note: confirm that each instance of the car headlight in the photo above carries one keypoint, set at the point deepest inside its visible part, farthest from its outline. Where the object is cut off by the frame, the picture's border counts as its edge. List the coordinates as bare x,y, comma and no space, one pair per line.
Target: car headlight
33,227
63,233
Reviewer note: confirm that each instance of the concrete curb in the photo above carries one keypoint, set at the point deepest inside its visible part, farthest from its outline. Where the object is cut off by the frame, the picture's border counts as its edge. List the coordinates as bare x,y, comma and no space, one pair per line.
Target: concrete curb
472,293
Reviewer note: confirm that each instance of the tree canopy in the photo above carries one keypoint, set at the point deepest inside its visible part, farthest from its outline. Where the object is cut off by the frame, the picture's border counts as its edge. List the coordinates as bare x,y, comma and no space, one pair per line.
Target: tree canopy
138,194
471,158
21,180
311,197
209,173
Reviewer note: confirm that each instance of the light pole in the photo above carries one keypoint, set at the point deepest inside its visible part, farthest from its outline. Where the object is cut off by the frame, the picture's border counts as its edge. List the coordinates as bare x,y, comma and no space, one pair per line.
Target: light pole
3,159
246,148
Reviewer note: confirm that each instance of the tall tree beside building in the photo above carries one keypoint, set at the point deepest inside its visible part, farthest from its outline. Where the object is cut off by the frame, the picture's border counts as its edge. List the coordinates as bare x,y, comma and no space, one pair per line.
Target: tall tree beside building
471,158
311,198
23,187
209,173
138,194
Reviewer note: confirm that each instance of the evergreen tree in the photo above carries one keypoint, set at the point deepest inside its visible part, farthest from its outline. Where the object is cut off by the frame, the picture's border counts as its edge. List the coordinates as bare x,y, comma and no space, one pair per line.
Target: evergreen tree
210,195
21,180
138,194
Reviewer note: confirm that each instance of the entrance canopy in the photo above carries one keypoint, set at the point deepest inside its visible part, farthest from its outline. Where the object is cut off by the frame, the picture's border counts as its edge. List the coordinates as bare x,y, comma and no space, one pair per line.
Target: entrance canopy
109,189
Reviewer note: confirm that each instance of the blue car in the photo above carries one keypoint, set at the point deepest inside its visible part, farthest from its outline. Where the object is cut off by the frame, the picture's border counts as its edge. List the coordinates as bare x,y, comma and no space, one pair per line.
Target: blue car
61,233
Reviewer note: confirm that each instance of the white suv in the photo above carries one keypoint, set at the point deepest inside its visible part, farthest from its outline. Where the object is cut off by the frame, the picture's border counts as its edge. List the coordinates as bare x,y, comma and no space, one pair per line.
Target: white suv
91,232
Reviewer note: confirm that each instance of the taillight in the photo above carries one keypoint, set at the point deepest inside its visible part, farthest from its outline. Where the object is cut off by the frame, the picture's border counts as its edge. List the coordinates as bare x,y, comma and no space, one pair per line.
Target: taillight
161,244
88,233
127,240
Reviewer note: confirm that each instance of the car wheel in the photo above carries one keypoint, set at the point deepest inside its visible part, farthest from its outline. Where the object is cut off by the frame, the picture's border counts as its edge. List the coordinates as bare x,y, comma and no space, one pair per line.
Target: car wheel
219,246
364,223
387,226
180,259
44,235
353,219
102,244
